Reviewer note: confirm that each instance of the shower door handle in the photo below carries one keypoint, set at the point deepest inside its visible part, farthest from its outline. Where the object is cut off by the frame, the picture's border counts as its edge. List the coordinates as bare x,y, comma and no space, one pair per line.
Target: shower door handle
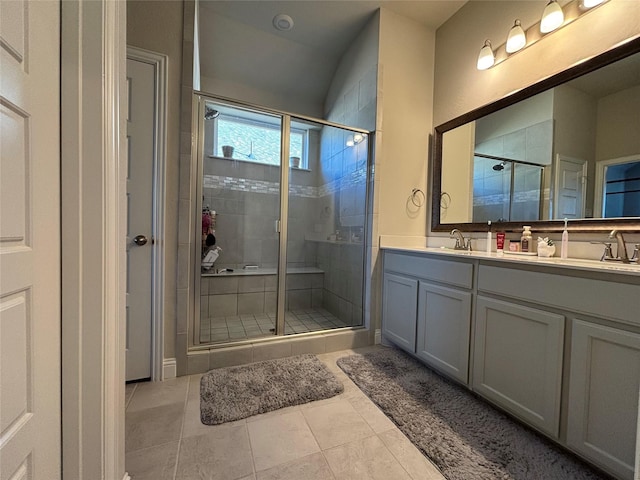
140,240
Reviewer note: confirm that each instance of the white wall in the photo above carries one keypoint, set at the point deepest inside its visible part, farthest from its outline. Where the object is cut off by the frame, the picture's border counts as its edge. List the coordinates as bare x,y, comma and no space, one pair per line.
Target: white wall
618,129
157,26
245,63
460,87
457,174
405,108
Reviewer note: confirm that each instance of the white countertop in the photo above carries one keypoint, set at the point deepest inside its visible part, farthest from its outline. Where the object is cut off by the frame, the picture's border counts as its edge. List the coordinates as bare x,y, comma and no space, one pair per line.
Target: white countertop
576,264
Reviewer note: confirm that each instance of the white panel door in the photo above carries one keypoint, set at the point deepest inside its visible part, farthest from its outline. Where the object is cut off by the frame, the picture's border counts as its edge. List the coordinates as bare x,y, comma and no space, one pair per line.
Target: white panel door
140,132
570,189
29,240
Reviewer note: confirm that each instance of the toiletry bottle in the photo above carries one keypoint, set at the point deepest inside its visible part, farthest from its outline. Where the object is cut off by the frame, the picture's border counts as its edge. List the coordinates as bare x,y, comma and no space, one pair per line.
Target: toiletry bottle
500,243
526,239
564,249
489,238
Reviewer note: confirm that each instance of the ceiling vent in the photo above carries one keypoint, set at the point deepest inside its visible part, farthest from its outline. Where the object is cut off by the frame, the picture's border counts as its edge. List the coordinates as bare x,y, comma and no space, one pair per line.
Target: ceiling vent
283,22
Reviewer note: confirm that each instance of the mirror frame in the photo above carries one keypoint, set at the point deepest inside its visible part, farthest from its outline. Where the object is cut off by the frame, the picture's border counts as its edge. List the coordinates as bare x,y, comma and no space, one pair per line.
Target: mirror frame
582,225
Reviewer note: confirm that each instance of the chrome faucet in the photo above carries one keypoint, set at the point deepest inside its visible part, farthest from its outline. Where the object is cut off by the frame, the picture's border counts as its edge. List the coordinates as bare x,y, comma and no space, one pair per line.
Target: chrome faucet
461,244
621,254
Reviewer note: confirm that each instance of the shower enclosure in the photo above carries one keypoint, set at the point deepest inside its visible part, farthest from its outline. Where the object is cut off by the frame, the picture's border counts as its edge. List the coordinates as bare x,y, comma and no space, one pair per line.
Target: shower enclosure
281,223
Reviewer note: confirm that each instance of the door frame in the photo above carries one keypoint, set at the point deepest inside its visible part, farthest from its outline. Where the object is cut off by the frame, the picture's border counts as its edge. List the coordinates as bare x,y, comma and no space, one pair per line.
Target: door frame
159,63
600,177
93,208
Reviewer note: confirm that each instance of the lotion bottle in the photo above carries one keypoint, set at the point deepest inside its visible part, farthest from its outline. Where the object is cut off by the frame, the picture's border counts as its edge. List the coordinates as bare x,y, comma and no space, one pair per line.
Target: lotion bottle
526,239
489,238
564,249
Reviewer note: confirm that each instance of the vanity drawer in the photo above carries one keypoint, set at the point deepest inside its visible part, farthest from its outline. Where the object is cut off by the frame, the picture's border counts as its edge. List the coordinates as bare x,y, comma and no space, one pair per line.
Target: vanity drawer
605,299
452,272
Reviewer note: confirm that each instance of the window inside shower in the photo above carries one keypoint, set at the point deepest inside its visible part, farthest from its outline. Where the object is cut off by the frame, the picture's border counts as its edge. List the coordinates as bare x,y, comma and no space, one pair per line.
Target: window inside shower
281,245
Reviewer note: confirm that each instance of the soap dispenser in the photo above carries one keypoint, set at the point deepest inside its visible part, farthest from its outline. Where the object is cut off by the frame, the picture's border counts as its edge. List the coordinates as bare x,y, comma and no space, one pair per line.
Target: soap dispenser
564,249
526,239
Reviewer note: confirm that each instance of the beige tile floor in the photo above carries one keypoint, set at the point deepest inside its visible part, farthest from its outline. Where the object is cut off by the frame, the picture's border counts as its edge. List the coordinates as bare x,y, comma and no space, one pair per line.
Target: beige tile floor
344,437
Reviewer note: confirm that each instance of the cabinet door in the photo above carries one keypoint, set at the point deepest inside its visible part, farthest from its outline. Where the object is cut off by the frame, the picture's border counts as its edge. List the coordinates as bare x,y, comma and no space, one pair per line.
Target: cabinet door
518,360
444,317
603,395
399,308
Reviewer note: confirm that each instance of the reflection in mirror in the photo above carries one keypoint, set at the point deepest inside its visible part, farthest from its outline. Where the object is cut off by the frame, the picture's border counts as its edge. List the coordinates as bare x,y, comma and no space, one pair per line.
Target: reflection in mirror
571,151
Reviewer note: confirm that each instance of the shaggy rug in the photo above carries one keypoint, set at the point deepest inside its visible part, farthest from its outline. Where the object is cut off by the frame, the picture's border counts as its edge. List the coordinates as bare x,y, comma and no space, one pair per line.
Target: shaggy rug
233,393
463,436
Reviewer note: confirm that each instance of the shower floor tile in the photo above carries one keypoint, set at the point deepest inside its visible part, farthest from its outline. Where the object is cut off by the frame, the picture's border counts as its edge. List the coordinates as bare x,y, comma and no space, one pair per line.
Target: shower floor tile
225,329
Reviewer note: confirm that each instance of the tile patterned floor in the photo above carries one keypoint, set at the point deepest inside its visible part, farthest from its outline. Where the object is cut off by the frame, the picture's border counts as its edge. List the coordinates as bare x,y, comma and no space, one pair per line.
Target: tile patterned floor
224,329
341,438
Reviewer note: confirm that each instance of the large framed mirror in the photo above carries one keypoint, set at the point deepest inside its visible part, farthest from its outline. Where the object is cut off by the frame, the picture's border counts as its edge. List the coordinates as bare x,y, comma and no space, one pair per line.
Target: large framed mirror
566,147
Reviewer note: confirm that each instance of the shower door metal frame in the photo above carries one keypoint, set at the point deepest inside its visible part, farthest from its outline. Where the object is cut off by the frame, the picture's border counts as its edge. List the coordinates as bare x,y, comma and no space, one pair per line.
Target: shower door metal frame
199,99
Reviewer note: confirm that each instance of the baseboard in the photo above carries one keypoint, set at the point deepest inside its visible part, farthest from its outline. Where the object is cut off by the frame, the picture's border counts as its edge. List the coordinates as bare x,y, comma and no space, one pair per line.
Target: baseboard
378,337
169,368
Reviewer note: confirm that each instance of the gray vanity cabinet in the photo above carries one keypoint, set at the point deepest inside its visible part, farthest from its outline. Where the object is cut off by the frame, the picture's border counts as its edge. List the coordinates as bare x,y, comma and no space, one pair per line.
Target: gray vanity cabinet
603,395
517,360
444,317
399,309
429,297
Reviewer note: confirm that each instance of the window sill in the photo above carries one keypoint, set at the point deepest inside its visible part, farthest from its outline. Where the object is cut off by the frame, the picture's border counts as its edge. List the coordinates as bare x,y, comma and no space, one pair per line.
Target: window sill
246,160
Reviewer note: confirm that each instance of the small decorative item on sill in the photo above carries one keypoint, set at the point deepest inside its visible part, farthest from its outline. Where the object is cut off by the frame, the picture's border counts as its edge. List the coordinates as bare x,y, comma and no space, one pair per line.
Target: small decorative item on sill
227,151
294,162
546,248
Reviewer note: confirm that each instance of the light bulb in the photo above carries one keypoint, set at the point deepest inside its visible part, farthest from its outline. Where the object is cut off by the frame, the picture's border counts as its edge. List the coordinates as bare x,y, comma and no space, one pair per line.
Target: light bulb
552,17
486,58
357,137
350,142
516,38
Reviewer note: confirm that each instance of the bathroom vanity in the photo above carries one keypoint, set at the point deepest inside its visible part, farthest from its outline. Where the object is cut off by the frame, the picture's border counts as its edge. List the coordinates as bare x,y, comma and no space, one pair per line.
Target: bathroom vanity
556,344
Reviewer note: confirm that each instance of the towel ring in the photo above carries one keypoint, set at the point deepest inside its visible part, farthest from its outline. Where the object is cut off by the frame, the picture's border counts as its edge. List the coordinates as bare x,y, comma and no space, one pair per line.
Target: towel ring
417,197
445,200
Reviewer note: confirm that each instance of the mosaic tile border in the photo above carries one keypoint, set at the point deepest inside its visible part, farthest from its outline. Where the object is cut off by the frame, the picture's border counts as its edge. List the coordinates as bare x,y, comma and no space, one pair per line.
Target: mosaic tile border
353,179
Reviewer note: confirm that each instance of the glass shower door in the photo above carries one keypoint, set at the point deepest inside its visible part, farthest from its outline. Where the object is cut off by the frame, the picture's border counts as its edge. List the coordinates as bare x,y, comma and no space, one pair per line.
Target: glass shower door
240,152
325,227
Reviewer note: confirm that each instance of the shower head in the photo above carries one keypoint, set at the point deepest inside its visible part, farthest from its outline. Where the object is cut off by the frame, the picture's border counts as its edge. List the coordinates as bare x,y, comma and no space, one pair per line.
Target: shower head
210,113
498,167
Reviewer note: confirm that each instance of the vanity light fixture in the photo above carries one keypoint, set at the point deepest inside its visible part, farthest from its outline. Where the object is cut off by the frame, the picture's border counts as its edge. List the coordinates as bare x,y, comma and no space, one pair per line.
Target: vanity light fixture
486,59
552,17
586,4
517,39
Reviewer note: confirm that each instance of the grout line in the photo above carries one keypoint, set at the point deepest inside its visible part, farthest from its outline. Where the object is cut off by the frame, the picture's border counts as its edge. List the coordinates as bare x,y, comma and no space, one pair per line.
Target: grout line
184,418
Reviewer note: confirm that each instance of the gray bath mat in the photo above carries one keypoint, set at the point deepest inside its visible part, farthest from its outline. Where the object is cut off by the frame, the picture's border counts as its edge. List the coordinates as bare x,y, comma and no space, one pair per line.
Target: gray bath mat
233,393
463,436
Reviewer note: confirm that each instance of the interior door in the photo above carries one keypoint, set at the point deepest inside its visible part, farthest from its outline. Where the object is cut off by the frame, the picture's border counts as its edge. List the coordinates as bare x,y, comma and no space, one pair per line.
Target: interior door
30,241
140,138
570,189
